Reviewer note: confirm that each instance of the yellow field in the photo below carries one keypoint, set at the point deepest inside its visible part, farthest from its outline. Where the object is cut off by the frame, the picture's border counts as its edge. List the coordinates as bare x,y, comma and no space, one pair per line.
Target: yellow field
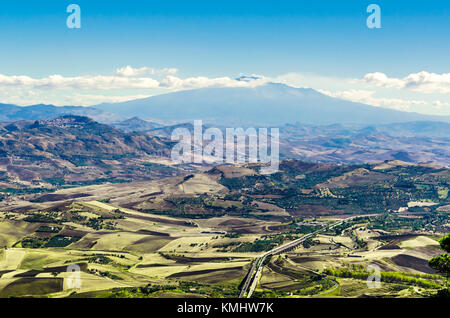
418,242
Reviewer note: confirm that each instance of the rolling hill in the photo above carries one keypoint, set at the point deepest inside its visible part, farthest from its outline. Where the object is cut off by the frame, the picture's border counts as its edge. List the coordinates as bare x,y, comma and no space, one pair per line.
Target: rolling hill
77,150
10,113
136,124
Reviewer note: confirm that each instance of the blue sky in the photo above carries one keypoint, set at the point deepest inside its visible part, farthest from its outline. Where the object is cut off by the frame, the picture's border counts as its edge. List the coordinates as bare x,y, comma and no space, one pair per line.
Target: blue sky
321,44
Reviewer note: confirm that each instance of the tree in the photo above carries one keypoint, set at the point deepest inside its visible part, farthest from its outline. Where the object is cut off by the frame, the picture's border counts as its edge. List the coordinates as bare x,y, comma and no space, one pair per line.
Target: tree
442,263
445,243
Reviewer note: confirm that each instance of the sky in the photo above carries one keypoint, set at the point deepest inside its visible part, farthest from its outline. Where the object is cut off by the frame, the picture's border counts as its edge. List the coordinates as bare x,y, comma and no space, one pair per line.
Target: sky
133,49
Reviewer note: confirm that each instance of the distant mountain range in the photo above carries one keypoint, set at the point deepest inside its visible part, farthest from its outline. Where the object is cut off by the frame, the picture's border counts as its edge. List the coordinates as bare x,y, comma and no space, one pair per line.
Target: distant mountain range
268,105
11,113
77,150
136,124
313,126
411,142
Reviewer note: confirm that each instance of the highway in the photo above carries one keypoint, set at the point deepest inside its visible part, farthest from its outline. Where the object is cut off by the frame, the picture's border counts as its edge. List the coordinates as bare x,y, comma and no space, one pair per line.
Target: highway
258,264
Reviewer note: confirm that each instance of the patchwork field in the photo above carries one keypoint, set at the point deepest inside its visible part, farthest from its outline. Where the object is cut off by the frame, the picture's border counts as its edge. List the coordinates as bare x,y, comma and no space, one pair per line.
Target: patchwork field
198,235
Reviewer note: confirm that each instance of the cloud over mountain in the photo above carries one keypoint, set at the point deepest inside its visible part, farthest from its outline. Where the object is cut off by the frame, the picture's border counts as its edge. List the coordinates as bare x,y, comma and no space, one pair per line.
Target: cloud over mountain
423,82
414,92
129,71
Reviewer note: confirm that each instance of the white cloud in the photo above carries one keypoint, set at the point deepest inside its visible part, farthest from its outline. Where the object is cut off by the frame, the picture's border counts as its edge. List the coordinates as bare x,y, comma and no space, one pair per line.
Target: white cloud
90,89
440,105
91,99
96,82
367,97
312,81
132,83
24,97
129,71
423,82
176,83
100,82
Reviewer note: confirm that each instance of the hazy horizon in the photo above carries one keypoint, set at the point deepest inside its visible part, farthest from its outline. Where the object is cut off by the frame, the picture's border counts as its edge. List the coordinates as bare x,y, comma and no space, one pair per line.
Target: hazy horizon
139,49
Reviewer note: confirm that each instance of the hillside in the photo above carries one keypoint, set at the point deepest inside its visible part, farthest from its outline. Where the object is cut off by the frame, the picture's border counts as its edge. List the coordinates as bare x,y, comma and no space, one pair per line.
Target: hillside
413,142
299,189
136,124
199,234
9,113
74,150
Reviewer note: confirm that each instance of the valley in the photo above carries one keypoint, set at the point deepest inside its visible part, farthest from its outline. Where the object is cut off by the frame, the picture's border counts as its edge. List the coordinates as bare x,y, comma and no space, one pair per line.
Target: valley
225,157
199,236
109,200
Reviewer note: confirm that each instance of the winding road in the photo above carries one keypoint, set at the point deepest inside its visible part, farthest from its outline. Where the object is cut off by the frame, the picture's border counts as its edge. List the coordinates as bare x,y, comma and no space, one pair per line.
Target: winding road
258,264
